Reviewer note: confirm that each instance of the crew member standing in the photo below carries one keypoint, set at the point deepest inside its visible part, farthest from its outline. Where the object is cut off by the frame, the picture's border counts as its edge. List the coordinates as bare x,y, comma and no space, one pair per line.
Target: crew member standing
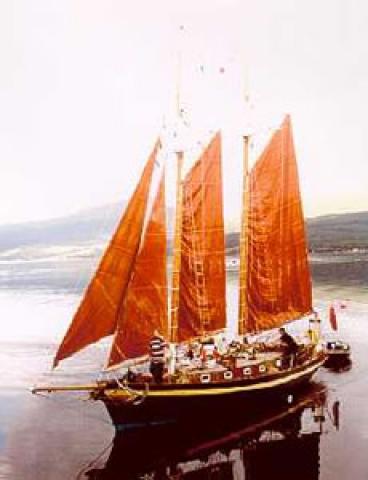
157,356
290,346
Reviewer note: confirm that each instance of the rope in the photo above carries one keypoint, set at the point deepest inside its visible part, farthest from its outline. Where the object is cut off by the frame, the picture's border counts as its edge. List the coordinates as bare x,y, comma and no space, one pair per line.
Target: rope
69,407
92,260
137,397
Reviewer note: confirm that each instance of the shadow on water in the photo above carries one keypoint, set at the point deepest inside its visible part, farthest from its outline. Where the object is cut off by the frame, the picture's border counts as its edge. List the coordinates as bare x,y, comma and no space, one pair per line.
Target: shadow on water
280,443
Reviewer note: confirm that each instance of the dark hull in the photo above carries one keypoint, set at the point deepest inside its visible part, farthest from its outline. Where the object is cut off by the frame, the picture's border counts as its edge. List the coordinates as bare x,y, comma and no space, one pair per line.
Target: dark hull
291,454
172,403
338,362
277,442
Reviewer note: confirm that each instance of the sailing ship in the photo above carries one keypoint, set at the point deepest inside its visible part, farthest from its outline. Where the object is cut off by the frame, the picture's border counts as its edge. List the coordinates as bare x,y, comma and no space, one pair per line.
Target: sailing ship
130,298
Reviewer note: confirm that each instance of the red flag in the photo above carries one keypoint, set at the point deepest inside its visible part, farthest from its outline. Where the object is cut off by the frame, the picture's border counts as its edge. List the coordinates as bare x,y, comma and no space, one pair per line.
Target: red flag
333,319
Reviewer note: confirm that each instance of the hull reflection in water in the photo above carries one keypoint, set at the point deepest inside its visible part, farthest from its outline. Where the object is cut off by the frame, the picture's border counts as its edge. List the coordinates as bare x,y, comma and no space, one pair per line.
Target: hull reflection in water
259,444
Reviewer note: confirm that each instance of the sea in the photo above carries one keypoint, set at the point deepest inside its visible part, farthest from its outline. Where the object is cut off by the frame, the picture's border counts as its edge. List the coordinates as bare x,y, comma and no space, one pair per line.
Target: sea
320,433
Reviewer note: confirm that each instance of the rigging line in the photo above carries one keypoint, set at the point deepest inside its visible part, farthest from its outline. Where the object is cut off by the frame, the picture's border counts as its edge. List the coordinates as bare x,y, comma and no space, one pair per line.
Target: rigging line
283,198
199,249
115,345
102,231
92,261
70,407
45,370
196,257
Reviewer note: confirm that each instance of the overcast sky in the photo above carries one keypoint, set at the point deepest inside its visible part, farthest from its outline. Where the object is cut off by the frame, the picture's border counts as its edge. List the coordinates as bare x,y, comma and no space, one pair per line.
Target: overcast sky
86,86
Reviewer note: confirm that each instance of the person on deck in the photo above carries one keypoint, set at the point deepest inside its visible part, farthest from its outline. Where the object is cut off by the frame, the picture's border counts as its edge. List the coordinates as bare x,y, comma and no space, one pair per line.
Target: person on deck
157,356
290,346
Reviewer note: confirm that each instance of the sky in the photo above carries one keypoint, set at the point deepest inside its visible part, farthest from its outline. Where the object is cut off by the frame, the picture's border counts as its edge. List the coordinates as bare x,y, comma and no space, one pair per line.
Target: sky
86,86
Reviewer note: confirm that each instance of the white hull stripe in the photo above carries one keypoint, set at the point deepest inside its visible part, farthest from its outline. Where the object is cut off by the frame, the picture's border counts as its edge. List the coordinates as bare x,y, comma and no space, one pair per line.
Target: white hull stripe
113,394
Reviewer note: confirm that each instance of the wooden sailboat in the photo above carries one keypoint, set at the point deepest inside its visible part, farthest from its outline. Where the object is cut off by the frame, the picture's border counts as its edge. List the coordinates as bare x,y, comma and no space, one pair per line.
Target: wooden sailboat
128,296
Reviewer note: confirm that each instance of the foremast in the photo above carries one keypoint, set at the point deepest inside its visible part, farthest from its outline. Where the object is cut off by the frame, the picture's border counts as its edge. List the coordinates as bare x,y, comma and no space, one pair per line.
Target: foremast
243,246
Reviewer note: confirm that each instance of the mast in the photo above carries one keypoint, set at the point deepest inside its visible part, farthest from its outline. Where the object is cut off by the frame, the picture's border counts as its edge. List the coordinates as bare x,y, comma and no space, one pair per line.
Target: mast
176,262
176,249
202,285
243,247
278,276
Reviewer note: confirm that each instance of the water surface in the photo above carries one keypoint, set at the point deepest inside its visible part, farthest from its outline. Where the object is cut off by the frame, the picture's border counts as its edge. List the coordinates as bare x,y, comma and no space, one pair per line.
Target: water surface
66,436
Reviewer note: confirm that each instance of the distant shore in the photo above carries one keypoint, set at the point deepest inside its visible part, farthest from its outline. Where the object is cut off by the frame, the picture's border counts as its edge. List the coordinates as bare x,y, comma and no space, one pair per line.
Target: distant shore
93,227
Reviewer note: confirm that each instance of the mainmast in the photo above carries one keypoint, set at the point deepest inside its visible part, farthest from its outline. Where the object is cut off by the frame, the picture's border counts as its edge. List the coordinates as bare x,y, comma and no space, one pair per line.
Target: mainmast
244,244
176,249
202,304
176,262
244,227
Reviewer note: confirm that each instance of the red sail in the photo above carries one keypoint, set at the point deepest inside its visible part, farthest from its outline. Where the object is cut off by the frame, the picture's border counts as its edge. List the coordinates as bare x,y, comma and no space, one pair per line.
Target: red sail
96,316
202,306
145,307
278,277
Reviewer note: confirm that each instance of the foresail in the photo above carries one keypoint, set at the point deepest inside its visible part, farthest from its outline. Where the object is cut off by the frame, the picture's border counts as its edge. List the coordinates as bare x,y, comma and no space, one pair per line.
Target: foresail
145,307
96,316
278,276
202,305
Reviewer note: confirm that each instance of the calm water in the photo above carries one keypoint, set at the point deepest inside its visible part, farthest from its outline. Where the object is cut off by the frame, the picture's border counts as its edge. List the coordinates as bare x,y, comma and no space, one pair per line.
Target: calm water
322,434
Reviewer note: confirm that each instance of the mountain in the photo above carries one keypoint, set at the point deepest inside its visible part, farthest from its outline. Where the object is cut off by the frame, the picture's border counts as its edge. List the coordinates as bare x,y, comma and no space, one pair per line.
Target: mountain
95,226
343,231
327,233
91,226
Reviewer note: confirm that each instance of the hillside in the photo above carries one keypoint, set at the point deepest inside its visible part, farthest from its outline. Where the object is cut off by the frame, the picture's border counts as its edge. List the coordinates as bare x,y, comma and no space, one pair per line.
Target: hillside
344,231
86,226
327,233
94,226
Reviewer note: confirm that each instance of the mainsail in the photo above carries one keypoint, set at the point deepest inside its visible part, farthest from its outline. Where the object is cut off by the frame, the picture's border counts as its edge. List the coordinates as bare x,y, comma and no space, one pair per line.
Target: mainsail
98,312
145,306
278,284
202,305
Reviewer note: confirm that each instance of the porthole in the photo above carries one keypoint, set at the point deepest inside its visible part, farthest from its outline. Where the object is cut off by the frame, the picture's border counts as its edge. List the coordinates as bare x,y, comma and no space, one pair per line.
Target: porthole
262,369
205,378
228,375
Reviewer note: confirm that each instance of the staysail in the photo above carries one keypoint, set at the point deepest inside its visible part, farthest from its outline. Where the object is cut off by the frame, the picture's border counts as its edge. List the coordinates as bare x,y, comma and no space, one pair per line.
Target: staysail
145,306
278,278
202,305
96,316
